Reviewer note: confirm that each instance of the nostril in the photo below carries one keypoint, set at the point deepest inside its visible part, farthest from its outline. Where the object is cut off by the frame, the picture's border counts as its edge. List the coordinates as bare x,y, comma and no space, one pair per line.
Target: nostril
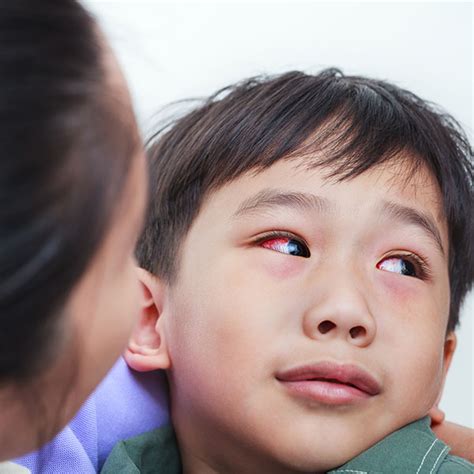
357,331
326,326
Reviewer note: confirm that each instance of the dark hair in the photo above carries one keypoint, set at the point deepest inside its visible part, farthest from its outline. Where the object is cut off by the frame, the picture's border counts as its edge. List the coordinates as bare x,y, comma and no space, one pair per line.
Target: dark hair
355,122
66,143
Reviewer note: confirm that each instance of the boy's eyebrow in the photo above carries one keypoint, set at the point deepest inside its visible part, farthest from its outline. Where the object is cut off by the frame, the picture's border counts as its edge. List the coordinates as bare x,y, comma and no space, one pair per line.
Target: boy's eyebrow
269,198
412,216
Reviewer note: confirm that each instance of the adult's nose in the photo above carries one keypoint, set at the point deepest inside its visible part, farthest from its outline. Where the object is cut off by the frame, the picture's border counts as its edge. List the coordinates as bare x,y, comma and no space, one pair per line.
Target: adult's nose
340,310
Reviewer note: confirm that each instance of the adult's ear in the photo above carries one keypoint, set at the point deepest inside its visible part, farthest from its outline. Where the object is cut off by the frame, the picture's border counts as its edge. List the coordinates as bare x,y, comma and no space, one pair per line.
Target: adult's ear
147,348
450,343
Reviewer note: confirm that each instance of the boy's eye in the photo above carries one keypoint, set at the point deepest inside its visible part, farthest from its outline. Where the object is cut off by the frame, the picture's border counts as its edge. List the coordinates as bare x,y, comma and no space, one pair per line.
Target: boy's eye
401,265
287,245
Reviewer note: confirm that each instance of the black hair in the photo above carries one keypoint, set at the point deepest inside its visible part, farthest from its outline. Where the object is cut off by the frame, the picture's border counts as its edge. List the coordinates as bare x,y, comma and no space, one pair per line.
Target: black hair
66,140
354,122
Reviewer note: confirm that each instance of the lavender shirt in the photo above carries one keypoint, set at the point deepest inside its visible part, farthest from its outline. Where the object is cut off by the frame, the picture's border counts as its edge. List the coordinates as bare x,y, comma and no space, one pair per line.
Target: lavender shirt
125,404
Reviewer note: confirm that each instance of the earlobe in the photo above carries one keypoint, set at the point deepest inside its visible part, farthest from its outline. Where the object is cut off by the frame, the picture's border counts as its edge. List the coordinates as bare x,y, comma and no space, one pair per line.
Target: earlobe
147,349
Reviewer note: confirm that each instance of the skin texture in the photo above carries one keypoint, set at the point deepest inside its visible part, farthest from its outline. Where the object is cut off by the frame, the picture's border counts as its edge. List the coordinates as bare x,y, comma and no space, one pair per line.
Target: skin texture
242,310
97,320
459,438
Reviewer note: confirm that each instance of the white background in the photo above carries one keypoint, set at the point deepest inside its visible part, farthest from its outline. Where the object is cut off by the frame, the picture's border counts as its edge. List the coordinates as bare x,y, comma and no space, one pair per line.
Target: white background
176,50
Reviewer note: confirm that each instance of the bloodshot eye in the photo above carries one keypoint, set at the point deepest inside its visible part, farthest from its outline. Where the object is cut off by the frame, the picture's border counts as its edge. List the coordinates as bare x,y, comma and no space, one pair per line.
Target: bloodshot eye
286,245
399,265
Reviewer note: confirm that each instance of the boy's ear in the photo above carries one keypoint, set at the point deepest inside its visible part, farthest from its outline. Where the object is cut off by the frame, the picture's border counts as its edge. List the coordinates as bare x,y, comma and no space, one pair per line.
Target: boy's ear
449,348
147,348
450,343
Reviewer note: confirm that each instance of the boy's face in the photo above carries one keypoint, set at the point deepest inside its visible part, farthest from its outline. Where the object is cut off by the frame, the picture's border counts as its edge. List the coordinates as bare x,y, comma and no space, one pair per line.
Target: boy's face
308,318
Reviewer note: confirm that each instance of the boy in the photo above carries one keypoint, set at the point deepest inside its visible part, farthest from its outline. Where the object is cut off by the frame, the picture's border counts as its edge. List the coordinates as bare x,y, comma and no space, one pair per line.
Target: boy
307,251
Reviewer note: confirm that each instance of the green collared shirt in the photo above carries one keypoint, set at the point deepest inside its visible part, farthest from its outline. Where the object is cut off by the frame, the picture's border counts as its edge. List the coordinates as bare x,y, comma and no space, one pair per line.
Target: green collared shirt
413,449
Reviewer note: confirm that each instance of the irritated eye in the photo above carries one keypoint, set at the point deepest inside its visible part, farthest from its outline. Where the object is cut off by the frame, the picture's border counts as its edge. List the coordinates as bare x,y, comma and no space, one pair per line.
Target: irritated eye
398,265
287,246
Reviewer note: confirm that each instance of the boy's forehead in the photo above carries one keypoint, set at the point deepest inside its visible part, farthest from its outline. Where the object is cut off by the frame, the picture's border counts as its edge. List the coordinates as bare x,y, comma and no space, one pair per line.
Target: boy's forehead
393,178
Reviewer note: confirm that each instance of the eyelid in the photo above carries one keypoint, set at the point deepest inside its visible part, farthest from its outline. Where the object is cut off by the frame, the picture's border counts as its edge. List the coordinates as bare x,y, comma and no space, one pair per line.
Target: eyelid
420,262
279,234
274,234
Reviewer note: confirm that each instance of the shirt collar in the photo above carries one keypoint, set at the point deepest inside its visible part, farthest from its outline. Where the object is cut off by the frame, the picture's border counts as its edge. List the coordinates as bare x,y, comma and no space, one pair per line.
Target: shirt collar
413,448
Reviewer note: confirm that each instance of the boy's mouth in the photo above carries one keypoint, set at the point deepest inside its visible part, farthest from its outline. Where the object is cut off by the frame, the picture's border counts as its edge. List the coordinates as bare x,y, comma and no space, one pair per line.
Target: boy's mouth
330,383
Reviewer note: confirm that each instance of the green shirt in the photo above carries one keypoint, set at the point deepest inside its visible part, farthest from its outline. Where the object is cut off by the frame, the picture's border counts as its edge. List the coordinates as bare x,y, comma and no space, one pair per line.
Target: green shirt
412,449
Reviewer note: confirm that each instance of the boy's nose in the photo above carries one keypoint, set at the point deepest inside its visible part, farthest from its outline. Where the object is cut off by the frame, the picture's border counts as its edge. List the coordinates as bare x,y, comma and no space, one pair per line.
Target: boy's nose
341,312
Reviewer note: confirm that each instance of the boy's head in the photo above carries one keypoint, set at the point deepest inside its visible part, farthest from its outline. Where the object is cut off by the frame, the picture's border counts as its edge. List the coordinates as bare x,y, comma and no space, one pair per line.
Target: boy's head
306,253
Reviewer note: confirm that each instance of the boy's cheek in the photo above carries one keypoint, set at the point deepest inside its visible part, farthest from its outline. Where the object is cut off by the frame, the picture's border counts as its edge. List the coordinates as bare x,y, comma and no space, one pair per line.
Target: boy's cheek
418,377
418,305
278,266
401,290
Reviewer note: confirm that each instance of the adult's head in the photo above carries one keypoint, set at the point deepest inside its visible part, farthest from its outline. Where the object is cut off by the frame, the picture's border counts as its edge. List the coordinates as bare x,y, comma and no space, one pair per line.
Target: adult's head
72,193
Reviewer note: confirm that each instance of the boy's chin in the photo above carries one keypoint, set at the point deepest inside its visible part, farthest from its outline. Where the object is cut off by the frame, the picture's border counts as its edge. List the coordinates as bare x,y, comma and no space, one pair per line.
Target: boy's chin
326,447
313,461
290,453
324,457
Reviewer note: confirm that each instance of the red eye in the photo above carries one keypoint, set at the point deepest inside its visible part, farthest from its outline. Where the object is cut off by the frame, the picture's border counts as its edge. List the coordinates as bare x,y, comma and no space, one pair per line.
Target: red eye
287,246
399,265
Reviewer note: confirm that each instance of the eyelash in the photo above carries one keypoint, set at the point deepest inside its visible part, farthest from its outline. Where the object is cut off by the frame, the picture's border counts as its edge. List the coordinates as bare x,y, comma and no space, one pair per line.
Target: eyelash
274,235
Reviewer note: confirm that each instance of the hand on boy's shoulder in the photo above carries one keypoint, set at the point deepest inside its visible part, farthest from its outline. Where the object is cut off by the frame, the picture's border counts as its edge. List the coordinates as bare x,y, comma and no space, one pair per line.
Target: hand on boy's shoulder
459,438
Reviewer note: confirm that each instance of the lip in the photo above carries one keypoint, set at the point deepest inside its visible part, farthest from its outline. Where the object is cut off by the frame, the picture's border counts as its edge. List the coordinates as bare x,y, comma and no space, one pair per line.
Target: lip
330,383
